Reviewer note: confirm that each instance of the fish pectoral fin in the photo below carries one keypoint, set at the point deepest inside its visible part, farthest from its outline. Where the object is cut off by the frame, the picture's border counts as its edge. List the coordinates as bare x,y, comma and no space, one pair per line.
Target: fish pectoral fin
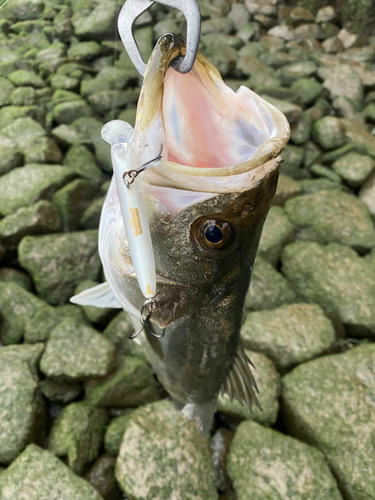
98,296
240,383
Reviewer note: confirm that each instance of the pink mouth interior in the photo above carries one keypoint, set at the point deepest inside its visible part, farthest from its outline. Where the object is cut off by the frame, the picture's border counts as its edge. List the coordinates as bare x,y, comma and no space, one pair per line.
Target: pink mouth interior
210,126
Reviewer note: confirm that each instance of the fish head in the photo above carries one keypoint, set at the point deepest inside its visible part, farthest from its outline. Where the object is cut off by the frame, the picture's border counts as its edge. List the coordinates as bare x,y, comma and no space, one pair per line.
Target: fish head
207,195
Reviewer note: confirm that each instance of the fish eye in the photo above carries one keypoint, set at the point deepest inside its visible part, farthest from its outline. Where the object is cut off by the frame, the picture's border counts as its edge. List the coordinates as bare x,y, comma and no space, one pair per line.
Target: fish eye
212,234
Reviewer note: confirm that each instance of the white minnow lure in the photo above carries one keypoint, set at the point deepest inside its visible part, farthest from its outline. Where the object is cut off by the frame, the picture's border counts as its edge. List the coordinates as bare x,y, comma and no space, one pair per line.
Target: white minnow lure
118,133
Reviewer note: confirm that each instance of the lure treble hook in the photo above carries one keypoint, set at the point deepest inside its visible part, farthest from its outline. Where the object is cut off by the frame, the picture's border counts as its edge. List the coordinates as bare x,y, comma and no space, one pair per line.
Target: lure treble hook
148,307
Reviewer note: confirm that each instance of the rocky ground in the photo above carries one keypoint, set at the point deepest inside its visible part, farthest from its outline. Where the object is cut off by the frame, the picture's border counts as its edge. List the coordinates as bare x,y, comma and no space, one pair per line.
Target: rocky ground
81,413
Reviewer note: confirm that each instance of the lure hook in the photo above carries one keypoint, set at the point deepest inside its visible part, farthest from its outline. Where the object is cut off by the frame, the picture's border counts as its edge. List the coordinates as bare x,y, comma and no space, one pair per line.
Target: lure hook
148,307
129,176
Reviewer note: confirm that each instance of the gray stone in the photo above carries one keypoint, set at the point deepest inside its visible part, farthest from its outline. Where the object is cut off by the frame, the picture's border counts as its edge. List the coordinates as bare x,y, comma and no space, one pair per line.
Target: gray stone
265,464
64,82
102,102
100,22
354,168
68,112
289,335
92,313
358,133
131,384
118,332
325,14
287,188
8,274
157,433
102,477
332,45
217,25
77,352
268,288
42,217
295,71
222,57
22,410
277,232
301,15
57,263
17,306
59,392
329,132
36,473
71,202
128,115
22,78
334,277
238,15
328,403
6,89
343,81
10,158
82,161
332,217
78,434
268,382
248,31
367,193
115,432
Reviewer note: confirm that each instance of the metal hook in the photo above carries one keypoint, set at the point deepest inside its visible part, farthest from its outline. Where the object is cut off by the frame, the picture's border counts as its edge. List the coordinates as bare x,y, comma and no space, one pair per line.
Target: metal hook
149,305
134,8
132,174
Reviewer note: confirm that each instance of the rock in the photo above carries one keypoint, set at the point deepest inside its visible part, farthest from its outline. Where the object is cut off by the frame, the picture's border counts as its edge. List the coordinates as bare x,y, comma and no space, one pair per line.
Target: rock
115,432
217,25
310,186
332,45
292,166
277,232
356,132
274,465
22,409
84,130
329,132
367,193
22,305
23,96
337,279
325,172
268,382
105,101
295,71
292,112
321,398
100,22
131,384
9,114
42,217
77,352
26,185
238,15
282,31
84,50
36,472
287,188
102,477
307,90
6,89
81,160
22,78
354,168
21,131
8,274
10,158
343,81
301,15
57,263
289,335
72,200
68,112
91,216
128,115
248,31
222,57
220,446
157,433
332,217
59,392
325,14
118,332
42,150
268,288
78,434
92,313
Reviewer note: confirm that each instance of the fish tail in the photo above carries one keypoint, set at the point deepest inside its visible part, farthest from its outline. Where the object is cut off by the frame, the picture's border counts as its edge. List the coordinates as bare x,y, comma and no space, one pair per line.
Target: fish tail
202,413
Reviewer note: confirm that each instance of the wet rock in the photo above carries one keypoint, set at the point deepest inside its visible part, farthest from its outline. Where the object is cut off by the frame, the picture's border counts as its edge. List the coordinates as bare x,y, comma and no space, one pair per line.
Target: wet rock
77,352
329,132
36,472
82,161
287,188
57,263
332,217
59,392
367,193
268,288
343,81
273,465
354,168
17,306
8,274
328,402
42,217
268,382
22,78
289,335
78,434
157,433
23,186
92,313
131,384
102,477
334,277
10,158
22,410
277,232
69,111
220,446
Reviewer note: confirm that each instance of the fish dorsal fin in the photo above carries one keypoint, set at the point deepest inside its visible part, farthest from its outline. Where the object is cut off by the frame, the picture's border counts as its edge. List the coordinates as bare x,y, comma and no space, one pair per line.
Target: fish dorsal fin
240,383
98,296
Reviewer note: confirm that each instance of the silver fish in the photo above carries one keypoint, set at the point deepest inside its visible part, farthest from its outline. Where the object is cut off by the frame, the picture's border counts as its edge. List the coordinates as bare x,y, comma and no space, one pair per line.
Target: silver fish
206,198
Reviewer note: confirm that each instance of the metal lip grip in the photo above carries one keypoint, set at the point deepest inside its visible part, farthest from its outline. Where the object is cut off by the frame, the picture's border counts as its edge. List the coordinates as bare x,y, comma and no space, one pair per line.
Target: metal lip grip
134,8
